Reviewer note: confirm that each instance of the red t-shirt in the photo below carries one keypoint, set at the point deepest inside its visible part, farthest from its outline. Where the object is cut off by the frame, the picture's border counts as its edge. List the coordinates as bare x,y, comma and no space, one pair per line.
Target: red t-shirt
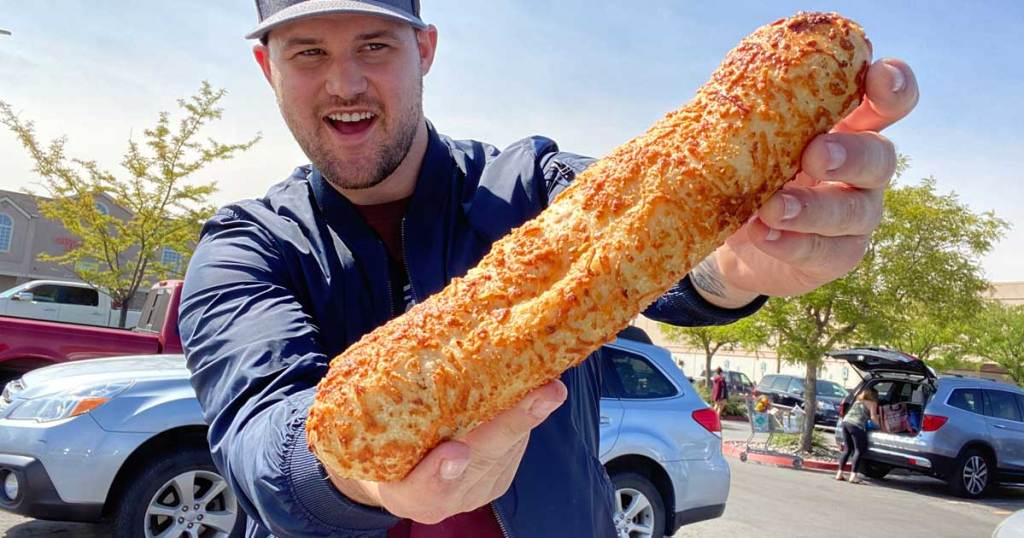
386,220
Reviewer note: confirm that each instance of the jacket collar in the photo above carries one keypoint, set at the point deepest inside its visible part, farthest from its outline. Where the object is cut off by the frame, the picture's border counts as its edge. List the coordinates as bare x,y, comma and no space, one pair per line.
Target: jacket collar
425,227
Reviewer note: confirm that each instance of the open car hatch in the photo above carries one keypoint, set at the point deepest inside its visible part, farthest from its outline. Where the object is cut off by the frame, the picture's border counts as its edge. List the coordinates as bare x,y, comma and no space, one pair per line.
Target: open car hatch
873,361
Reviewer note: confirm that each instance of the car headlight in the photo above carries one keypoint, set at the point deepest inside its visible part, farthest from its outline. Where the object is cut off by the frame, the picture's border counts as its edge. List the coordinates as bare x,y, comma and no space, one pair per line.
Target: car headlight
67,404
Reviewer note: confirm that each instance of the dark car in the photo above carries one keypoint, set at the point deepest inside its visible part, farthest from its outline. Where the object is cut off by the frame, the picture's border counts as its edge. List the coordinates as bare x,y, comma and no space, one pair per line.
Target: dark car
738,382
788,390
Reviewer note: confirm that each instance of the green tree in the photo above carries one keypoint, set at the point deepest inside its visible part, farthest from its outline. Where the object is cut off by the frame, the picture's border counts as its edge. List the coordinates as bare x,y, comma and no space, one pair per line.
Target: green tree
745,333
999,337
919,279
166,208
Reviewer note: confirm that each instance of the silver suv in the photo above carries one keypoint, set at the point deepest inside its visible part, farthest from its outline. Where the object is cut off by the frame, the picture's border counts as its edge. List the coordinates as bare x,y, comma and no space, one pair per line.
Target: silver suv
966,431
123,440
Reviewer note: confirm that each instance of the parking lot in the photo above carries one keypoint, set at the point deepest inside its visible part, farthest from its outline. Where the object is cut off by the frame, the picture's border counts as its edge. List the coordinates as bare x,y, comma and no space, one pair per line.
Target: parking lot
767,501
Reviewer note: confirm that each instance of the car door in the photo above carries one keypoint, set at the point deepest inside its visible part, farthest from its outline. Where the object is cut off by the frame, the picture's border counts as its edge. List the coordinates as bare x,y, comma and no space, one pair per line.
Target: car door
1006,428
611,405
42,306
81,305
793,395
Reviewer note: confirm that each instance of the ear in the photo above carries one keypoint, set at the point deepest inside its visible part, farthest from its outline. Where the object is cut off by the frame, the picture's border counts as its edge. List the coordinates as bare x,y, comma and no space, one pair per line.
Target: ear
426,39
262,54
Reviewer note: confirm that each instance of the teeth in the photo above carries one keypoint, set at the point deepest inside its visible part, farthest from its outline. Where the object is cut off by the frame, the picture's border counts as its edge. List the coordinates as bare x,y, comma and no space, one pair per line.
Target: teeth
351,117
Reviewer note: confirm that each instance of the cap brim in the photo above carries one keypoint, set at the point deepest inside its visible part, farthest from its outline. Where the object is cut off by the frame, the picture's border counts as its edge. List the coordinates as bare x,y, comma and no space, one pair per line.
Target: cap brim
318,8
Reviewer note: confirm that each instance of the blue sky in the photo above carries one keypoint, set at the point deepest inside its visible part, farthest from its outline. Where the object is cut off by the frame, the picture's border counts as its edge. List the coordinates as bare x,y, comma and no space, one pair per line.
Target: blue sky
589,74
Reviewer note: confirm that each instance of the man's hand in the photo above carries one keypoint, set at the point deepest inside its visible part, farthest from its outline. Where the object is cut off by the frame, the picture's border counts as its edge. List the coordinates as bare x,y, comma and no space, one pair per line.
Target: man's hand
816,229
460,476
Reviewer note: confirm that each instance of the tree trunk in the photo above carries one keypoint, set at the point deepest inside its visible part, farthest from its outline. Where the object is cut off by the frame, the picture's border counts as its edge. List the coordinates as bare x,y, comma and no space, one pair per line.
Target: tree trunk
778,363
810,405
123,316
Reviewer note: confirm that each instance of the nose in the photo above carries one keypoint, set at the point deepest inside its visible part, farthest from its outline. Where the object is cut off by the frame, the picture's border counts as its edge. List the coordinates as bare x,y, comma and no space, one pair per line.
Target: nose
346,79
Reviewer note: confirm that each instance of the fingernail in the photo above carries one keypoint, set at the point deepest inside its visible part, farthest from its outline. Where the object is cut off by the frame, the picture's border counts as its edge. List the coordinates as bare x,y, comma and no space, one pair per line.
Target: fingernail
791,206
773,234
452,469
543,408
899,80
836,155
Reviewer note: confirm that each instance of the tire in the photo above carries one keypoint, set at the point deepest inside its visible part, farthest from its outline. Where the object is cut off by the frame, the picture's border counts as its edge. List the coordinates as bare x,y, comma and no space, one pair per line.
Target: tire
876,470
972,474
153,502
639,509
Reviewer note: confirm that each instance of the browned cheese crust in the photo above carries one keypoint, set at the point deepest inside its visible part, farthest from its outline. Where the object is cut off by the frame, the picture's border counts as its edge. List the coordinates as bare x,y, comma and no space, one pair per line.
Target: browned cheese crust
561,285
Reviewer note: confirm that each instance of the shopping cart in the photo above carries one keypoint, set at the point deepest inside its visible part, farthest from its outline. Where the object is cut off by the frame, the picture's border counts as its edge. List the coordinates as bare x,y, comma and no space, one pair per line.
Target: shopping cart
771,419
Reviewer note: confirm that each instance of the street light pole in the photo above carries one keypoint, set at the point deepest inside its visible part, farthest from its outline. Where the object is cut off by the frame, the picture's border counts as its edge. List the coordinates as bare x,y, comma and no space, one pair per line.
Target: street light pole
4,32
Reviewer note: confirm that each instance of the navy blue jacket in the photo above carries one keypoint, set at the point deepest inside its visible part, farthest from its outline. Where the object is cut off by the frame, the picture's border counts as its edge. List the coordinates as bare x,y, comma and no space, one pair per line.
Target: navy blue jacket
278,286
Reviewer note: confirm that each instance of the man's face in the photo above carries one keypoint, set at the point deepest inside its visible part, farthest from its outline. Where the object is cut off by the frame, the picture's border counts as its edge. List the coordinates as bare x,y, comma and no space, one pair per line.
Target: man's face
350,89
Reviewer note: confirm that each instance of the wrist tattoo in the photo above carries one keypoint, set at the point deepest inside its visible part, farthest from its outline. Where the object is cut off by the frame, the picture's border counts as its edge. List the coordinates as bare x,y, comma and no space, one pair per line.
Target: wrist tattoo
707,277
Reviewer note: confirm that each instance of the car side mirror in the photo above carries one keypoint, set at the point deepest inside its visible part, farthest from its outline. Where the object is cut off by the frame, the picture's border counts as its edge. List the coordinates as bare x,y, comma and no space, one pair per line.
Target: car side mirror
26,296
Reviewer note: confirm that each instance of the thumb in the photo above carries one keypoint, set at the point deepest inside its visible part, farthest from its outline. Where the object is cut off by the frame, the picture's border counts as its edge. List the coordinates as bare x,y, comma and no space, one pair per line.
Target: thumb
445,462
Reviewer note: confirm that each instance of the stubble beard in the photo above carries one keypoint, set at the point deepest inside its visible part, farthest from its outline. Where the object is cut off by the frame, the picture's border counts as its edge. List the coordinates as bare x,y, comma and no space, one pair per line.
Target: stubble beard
350,172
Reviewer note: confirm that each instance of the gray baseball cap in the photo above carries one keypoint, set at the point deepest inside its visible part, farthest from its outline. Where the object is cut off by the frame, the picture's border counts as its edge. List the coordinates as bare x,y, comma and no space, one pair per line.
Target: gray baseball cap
274,13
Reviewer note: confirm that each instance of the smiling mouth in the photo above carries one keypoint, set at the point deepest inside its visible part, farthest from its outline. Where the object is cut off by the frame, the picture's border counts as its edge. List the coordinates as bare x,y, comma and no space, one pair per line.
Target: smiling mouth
350,123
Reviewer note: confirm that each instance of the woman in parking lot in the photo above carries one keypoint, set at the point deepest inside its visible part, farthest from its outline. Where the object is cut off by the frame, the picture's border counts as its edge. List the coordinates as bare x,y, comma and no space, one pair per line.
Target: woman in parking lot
719,391
855,432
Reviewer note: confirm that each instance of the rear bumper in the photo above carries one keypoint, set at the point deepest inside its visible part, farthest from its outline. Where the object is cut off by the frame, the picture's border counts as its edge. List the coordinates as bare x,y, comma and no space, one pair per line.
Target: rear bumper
37,497
694,515
922,462
701,487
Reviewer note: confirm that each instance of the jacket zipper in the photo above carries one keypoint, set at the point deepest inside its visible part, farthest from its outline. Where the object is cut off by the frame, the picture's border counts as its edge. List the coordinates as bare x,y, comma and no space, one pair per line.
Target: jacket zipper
405,265
501,522
391,297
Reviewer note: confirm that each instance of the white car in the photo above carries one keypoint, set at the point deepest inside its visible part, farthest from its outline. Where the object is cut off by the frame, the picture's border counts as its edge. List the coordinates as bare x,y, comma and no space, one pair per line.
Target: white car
69,302
123,439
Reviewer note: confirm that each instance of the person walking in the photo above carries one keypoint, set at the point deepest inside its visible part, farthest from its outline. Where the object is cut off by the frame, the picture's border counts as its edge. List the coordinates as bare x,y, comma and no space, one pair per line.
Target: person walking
855,427
719,391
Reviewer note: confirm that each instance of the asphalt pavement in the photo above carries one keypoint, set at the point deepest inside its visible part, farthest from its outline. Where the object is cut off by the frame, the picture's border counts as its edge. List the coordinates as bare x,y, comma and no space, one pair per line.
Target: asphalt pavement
768,501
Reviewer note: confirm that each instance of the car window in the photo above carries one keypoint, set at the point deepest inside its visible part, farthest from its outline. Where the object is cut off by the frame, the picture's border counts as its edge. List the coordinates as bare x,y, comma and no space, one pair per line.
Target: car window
884,389
637,376
744,380
47,293
766,382
828,388
967,399
796,386
610,387
80,296
1002,404
781,384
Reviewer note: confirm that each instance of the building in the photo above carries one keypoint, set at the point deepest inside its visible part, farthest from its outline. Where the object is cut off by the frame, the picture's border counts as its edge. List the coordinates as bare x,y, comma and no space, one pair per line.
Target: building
25,234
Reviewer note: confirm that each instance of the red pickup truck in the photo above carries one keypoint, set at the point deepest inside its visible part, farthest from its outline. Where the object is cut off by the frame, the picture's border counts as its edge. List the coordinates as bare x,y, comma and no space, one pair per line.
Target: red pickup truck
26,344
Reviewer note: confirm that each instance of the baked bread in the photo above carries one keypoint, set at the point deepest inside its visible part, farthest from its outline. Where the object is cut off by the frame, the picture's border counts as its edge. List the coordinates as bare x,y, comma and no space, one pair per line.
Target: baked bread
561,285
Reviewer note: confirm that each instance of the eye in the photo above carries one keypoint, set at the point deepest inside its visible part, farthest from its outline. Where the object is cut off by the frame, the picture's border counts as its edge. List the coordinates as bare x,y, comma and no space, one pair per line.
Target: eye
376,47
310,52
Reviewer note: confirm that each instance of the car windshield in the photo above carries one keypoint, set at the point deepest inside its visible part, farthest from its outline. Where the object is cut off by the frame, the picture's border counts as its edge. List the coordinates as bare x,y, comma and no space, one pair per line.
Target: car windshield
828,388
8,293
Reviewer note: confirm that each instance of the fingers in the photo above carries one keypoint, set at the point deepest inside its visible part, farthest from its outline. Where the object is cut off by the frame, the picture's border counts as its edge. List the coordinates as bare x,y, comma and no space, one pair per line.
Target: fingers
866,160
829,209
493,439
891,94
826,257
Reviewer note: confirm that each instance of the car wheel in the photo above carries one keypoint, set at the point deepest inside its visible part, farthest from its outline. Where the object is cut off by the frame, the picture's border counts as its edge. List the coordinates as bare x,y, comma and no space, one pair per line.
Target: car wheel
876,470
972,474
181,494
639,510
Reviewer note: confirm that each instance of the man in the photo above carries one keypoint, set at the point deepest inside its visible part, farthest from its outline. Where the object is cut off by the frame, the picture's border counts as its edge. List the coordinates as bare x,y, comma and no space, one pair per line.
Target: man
387,214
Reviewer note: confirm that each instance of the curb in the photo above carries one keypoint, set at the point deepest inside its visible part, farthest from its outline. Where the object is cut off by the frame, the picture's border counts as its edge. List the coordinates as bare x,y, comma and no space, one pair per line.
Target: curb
737,449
